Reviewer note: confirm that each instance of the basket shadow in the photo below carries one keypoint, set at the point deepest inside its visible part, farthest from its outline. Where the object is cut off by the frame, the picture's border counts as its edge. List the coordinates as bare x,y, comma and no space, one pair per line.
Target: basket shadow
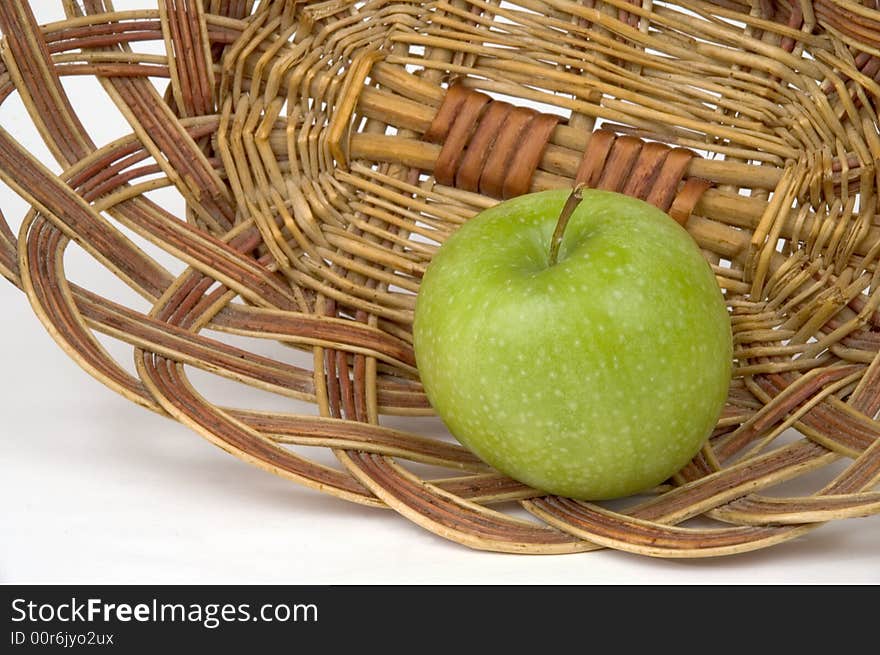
156,444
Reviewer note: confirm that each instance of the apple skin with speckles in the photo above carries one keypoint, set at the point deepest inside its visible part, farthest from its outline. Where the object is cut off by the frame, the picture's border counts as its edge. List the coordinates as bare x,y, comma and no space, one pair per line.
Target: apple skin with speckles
596,377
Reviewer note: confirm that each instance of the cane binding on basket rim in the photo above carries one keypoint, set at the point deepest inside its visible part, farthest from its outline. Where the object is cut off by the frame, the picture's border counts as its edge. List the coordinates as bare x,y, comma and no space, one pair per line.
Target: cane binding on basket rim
325,149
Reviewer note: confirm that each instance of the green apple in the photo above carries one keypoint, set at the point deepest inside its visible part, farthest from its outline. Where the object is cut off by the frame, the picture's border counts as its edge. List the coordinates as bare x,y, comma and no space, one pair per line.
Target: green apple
596,373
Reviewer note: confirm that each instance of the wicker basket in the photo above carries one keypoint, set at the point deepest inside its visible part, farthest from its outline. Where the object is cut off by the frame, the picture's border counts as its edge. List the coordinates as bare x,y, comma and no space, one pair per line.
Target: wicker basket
325,149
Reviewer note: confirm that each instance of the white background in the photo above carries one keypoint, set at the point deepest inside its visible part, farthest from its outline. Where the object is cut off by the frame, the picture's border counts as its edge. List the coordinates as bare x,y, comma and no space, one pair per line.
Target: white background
95,489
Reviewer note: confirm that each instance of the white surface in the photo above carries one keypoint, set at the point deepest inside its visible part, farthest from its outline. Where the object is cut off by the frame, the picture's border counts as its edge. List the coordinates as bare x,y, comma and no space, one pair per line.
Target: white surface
95,489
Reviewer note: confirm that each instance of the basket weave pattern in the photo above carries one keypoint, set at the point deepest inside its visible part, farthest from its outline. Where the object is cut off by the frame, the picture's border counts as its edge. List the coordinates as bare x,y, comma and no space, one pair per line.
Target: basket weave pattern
325,150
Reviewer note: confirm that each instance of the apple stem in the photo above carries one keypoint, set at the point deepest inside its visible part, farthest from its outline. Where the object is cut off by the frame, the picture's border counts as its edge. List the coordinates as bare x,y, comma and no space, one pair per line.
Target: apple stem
567,210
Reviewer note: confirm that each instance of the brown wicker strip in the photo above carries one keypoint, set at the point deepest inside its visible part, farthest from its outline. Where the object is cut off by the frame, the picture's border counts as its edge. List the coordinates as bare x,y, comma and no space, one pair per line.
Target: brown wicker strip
470,170
446,515
192,72
640,179
46,101
756,510
324,152
616,168
504,149
488,145
616,531
518,178
466,117
650,171
687,198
